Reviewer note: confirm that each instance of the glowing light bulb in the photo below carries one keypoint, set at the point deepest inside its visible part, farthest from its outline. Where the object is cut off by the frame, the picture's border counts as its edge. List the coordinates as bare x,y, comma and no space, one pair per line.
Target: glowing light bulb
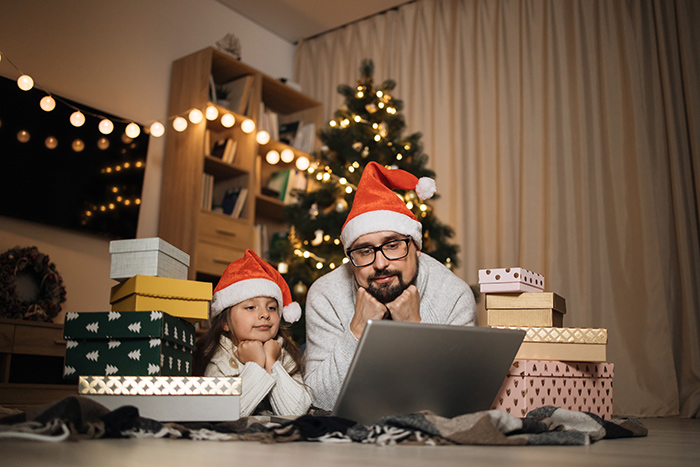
47,103
157,129
287,155
78,145
248,126
333,123
228,120
51,142
263,137
25,82
132,130
319,265
196,116
348,189
211,113
272,157
179,124
282,268
77,118
357,118
23,136
103,143
303,163
105,126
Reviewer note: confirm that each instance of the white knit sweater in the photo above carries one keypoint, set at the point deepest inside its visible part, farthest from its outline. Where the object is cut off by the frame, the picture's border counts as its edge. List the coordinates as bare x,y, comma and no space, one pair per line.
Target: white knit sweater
330,306
288,395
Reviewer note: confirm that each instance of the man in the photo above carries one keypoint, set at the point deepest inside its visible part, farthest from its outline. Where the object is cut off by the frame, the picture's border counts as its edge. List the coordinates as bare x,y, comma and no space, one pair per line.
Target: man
387,277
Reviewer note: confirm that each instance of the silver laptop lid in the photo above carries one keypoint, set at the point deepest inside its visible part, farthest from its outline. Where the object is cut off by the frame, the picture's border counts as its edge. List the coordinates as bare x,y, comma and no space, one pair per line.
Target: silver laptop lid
400,368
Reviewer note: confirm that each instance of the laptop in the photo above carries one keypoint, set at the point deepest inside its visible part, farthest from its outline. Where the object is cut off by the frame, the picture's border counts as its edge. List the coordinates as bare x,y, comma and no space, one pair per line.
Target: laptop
400,368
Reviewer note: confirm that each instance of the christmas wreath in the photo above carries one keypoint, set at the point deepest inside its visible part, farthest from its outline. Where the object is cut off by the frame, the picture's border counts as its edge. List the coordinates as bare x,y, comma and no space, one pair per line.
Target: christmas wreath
30,261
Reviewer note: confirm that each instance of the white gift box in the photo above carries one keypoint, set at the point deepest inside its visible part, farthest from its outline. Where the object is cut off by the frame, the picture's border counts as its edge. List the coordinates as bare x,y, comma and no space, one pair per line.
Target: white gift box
147,257
506,280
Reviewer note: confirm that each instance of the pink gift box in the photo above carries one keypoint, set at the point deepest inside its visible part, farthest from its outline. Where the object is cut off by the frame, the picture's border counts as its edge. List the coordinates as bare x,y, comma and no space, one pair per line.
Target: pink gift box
580,386
506,280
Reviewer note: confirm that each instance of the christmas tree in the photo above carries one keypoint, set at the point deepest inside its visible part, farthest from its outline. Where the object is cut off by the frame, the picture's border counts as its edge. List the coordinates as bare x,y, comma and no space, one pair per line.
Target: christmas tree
368,127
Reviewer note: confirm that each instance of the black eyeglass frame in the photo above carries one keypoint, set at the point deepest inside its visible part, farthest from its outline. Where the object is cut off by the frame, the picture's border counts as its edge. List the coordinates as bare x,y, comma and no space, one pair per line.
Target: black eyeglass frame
380,248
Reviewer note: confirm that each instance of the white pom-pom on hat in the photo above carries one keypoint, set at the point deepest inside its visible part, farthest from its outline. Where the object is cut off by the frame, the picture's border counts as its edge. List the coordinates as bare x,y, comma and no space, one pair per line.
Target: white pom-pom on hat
426,188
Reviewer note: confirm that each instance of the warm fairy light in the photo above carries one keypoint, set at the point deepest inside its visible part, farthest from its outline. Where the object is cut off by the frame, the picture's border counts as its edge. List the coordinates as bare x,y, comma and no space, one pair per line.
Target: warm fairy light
336,241
319,265
357,118
306,254
114,189
399,157
248,126
345,260
360,94
377,137
272,157
105,126
157,129
343,181
391,110
263,137
326,177
23,136
331,265
303,163
132,130
77,118
423,207
283,268
102,143
78,145
51,142
111,206
409,205
380,93
319,176
375,125
47,103
25,82
380,105
351,169
196,116
212,112
345,122
348,189
287,155
228,120
179,124
333,123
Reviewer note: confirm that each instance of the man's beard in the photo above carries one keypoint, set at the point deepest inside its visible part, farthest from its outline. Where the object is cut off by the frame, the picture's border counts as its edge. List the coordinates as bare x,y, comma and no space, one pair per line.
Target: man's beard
389,293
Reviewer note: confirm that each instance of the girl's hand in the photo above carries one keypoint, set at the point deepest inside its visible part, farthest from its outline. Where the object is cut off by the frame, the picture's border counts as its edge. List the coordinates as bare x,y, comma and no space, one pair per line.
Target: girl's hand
251,351
272,349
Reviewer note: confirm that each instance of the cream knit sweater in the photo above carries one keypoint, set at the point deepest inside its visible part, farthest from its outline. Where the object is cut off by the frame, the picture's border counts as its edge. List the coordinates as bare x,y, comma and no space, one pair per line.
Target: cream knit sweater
330,305
288,395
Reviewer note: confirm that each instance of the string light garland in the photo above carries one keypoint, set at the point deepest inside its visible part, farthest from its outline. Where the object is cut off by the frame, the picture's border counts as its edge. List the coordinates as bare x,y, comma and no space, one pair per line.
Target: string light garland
156,129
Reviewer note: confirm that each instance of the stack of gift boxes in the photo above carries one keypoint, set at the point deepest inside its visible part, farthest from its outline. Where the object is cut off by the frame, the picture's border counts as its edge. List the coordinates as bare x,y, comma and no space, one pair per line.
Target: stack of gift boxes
140,352
560,366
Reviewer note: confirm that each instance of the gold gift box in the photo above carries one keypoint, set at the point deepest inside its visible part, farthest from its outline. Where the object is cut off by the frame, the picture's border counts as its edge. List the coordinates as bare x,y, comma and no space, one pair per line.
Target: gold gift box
563,335
182,298
159,385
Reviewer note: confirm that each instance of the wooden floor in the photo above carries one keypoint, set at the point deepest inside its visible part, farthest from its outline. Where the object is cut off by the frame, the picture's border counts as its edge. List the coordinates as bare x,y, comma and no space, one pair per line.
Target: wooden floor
671,442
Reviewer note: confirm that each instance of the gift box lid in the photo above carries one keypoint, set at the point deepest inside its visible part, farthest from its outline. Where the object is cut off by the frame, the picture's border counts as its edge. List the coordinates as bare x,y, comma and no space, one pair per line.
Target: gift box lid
128,325
525,300
562,369
160,385
506,275
562,335
162,287
148,244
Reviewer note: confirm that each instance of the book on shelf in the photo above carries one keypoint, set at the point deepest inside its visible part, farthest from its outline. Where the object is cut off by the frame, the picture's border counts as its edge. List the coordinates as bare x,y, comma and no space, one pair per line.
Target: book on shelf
238,92
286,184
225,149
240,202
288,132
268,120
207,191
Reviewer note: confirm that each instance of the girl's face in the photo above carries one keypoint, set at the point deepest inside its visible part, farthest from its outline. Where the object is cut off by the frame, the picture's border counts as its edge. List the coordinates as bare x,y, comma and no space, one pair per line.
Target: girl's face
255,319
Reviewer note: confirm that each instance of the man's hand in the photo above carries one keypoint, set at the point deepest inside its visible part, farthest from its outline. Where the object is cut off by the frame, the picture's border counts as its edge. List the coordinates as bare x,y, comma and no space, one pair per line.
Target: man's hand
251,351
273,350
366,307
406,307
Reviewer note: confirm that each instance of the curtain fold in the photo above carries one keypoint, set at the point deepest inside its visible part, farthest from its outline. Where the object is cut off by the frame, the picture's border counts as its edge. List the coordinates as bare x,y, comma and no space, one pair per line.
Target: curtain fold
564,135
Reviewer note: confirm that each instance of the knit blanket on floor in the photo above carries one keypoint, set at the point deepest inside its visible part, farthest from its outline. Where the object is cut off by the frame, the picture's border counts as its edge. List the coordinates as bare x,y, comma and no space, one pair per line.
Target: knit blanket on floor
82,418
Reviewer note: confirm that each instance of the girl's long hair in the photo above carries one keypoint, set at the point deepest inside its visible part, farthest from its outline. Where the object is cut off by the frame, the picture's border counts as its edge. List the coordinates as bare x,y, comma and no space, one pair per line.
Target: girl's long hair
209,343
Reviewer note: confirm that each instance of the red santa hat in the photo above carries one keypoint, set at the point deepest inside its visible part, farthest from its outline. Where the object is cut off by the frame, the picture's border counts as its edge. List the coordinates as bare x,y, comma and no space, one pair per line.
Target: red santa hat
377,208
251,277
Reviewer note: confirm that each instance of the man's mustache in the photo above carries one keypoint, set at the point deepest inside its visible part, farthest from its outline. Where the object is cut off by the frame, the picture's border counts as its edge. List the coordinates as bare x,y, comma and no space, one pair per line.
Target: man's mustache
384,273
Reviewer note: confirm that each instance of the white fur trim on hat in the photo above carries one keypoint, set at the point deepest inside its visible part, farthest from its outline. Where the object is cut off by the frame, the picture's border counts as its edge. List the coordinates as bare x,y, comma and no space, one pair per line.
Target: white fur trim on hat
379,221
243,290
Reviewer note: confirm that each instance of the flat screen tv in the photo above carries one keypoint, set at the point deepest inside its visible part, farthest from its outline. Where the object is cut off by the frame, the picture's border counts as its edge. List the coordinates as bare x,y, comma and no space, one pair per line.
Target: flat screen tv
71,177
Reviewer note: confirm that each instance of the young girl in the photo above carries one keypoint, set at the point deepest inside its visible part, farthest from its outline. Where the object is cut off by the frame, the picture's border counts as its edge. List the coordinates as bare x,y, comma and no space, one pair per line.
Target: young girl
245,339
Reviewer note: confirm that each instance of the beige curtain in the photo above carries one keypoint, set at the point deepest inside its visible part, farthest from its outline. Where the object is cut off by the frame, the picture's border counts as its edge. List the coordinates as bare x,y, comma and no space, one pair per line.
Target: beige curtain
565,138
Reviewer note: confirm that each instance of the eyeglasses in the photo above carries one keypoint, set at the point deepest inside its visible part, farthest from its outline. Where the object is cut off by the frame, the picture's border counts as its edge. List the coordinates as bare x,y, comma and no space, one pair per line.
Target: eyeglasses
392,250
